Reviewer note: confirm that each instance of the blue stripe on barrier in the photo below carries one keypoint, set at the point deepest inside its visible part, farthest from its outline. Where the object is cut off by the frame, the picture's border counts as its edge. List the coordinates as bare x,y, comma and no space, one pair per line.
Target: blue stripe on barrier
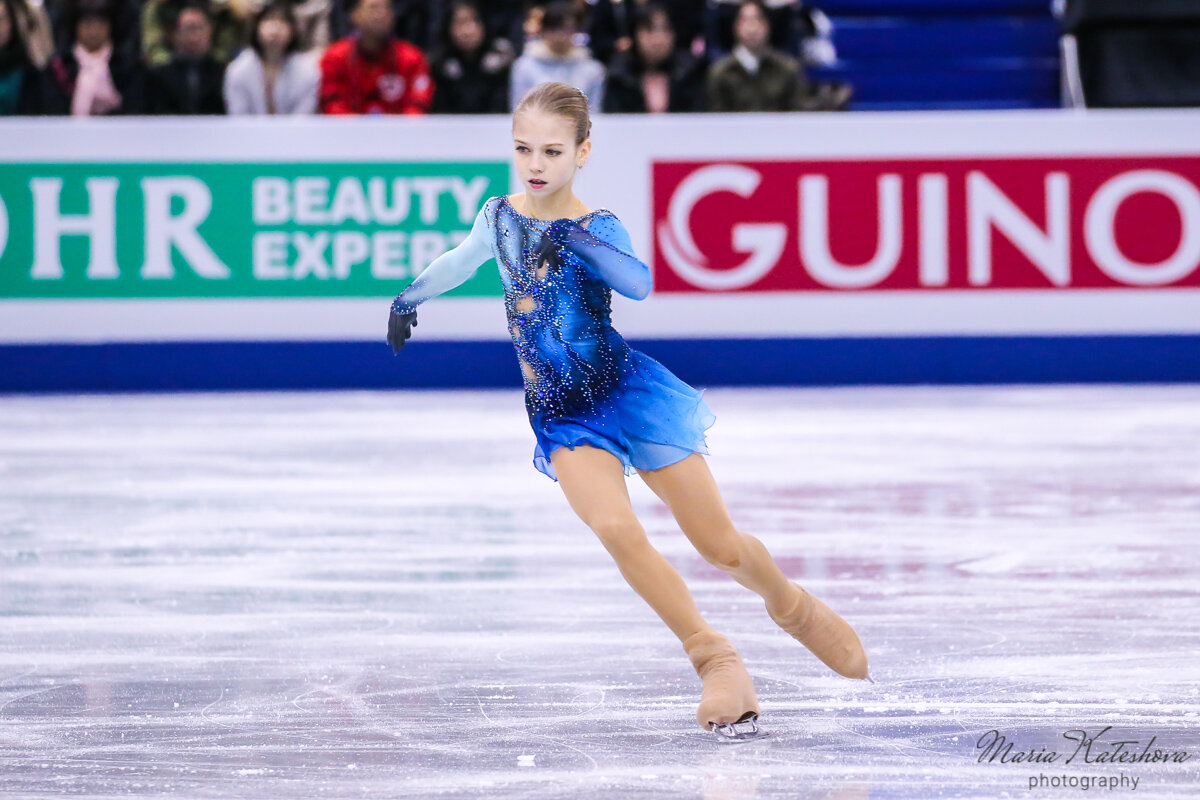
187,366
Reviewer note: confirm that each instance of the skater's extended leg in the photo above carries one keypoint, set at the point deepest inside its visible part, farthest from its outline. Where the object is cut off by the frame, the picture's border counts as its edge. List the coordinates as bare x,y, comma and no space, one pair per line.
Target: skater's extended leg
690,491
594,484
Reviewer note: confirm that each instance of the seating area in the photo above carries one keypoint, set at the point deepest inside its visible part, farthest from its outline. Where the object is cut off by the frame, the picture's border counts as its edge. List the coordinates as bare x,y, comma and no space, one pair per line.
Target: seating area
934,54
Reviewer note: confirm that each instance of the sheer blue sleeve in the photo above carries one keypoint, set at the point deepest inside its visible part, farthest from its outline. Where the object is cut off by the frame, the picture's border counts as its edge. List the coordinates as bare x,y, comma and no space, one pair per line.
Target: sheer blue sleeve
451,268
605,248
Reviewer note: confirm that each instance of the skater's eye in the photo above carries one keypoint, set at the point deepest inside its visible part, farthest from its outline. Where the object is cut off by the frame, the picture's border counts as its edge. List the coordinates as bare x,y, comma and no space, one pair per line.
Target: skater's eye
522,148
553,152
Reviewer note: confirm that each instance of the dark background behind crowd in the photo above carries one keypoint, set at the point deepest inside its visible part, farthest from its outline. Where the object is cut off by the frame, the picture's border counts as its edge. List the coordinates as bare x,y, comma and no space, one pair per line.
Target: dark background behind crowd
105,57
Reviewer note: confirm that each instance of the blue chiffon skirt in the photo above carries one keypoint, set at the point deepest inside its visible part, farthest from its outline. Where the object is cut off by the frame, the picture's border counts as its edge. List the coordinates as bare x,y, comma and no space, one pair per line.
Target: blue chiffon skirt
652,420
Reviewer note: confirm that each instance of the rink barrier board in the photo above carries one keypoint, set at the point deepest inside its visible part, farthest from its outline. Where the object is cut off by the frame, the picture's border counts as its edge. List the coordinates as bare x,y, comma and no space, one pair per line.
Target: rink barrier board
957,247
222,366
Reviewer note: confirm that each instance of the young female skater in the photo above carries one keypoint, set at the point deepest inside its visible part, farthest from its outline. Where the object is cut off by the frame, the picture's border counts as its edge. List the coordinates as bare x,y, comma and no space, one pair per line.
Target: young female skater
600,409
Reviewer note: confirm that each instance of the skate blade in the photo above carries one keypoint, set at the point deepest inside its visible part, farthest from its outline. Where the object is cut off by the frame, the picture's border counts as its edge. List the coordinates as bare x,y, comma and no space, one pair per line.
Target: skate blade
744,730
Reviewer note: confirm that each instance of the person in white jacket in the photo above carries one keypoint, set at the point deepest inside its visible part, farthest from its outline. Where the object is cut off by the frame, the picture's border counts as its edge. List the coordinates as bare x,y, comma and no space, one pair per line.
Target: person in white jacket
555,57
272,76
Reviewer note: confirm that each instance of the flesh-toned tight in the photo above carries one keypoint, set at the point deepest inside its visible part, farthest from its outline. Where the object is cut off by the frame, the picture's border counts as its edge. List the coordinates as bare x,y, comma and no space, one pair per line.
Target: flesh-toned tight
594,484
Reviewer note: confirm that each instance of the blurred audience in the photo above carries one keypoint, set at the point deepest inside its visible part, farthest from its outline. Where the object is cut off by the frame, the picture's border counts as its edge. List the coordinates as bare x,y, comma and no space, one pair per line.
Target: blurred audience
412,20
312,20
503,19
91,77
755,76
373,72
192,82
555,56
32,26
272,76
229,20
782,19
125,25
20,79
654,75
87,57
470,72
611,30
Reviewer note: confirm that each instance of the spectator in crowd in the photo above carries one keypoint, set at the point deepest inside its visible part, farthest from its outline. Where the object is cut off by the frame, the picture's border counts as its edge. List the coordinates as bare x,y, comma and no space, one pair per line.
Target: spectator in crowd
92,78
373,72
272,76
125,25
20,80
312,20
555,57
32,26
531,25
471,73
503,19
783,18
229,20
755,77
192,82
413,21
612,27
654,76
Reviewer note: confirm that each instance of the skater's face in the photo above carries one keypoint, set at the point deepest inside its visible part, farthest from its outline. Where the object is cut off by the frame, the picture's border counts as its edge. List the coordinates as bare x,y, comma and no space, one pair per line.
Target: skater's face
545,153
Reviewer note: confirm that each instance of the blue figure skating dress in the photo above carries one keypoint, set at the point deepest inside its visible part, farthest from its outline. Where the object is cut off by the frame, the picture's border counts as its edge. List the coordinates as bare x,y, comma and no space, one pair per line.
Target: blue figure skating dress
583,383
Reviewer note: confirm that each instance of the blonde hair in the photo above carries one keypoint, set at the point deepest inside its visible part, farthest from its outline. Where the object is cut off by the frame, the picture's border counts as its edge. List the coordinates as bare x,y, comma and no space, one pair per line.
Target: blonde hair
562,100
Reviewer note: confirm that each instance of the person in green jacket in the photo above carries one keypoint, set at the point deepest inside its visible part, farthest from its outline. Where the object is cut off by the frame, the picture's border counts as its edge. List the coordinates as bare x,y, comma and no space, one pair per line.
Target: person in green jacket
755,77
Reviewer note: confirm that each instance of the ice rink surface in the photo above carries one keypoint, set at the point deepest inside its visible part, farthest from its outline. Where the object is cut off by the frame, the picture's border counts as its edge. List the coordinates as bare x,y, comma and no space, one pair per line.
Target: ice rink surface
374,595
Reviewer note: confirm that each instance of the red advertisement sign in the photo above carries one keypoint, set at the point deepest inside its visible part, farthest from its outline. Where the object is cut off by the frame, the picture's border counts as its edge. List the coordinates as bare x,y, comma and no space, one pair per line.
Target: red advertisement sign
1009,223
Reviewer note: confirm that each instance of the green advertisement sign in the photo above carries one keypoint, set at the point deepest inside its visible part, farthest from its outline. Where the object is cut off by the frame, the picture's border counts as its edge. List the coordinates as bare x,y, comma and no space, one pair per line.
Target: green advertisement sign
235,229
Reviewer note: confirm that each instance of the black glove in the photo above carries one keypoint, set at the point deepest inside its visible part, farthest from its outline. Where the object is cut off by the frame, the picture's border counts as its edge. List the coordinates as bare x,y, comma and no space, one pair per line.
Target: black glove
547,258
400,325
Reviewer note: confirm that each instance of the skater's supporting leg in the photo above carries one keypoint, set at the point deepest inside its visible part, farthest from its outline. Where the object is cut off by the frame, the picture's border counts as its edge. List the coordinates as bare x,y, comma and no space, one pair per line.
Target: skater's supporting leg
594,484
690,491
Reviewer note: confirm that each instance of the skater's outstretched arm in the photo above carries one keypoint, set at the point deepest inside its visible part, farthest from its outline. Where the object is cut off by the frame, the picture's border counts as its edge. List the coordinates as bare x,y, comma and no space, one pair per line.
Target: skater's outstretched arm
605,248
450,269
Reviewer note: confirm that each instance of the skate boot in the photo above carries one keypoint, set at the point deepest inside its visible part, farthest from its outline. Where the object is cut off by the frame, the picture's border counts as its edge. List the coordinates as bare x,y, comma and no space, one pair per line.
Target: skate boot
728,704
828,636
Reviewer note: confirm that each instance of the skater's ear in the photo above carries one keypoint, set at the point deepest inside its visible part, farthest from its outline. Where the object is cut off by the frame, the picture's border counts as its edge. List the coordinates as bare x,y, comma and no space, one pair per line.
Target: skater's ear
581,154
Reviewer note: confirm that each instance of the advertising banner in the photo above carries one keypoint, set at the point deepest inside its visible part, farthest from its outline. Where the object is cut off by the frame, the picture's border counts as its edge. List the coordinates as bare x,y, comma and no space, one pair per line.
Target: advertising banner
921,224
222,230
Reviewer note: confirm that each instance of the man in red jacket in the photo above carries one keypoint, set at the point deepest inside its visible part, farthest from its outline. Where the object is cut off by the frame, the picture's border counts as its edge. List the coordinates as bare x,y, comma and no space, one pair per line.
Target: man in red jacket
373,72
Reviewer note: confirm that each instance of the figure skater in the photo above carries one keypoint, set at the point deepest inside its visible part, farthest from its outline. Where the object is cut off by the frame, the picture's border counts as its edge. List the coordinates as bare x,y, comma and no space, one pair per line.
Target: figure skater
600,410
